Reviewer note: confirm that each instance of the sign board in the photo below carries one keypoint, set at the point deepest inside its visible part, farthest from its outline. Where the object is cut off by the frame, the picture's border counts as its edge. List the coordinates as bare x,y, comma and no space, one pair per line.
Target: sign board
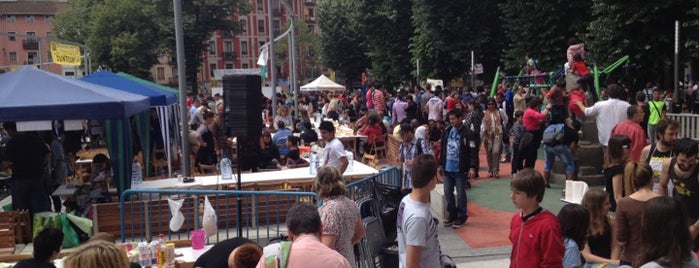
478,68
65,54
435,82
33,126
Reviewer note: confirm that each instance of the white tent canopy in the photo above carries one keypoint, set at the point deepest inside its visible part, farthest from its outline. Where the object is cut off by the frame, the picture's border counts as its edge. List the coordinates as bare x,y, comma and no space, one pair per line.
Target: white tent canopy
322,83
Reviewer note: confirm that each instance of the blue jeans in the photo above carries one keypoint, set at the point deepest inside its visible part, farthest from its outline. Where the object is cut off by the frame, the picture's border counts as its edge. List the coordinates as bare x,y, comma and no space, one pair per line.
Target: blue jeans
563,153
457,210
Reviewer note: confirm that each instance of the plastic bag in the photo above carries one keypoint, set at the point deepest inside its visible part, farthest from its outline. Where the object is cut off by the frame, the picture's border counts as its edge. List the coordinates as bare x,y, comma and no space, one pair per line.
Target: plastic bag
70,237
43,220
84,224
209,219
177,217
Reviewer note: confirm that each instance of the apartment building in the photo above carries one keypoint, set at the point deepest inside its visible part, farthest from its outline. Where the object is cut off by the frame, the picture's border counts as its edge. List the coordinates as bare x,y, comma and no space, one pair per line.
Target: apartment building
32,22
241,50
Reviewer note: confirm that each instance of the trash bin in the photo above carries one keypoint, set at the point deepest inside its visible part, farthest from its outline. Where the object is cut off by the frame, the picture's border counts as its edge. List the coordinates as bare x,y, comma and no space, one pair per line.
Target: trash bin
389,255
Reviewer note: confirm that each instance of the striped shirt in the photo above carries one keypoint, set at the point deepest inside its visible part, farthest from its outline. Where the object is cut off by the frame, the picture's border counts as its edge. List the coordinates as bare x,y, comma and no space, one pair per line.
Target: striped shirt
408,151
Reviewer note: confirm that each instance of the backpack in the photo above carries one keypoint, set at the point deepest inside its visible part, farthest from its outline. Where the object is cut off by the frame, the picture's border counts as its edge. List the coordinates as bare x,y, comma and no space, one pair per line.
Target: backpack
554,134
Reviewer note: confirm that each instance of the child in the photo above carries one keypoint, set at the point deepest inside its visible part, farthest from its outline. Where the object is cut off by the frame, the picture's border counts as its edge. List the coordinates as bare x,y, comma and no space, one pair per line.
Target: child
517,132
534,232
574,221
417,231
293,158
576,95
581,69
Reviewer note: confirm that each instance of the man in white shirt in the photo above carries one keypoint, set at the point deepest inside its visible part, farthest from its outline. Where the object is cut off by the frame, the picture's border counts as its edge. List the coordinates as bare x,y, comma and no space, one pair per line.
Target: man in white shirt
434,108
607,113
334,151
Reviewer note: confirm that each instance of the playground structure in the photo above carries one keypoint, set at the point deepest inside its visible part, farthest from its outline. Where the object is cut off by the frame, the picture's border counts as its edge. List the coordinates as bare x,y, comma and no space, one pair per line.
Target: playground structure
548,79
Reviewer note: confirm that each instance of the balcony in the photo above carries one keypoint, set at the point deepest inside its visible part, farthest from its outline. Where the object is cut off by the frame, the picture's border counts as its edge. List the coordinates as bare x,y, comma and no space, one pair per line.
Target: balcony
30,44
229,56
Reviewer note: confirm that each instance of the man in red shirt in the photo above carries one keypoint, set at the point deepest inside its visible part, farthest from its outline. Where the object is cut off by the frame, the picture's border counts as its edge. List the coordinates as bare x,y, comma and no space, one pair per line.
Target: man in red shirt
631,127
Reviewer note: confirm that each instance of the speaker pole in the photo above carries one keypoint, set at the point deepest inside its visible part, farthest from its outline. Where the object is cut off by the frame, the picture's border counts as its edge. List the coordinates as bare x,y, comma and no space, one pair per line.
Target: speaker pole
239,203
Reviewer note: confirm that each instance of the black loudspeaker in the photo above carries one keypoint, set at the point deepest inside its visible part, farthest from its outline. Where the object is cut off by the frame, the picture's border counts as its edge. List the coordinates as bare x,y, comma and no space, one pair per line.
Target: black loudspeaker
242,99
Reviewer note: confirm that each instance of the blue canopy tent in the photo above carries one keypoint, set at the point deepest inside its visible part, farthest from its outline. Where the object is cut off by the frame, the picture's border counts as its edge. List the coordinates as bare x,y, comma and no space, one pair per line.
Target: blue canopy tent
29,94
159,100
169,117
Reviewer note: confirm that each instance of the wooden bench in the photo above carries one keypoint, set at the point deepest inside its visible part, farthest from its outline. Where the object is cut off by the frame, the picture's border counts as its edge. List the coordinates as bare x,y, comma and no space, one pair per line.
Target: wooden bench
106,218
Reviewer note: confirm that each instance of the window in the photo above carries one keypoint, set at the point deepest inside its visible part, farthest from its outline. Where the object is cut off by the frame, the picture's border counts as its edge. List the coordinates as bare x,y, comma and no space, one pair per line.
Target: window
212,67
32,57
31,33
48,56
260,26
245,65
260,5
212,48
13,57
244,25
227,46
11,19
160,73
49,34
276,27
69,74
29,18
48,18
244,47
11,37
229,66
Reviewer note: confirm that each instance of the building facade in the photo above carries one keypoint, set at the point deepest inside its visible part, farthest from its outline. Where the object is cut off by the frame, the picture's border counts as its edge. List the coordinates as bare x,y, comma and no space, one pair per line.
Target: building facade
25,26
241,50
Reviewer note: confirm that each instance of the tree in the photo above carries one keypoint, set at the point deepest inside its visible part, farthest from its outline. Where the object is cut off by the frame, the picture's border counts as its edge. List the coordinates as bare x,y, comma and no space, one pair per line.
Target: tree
541,28
307,50
388,47
446,31
201,19
73,24
122,37
343,46
643,30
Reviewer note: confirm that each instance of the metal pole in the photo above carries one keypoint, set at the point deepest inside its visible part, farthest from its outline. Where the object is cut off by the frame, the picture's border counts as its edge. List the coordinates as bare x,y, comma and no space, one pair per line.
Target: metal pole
473,70
294,74
676,95
272,72
38,41
182,82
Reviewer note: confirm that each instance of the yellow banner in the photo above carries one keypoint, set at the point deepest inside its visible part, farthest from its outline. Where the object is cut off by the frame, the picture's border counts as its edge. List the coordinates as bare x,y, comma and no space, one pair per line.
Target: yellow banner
64,54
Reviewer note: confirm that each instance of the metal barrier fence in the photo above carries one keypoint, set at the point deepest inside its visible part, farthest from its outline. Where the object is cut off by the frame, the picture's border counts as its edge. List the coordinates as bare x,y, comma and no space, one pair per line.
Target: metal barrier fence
145,213
365,187
689,125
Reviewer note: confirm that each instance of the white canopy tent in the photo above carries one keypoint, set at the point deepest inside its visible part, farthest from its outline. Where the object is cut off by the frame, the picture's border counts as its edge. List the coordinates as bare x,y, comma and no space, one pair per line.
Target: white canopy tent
322,83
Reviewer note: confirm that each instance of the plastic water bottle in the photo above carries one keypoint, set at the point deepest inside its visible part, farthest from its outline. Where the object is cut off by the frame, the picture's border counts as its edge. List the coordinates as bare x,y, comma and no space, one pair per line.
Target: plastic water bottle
313,167
136,174
226,169
350,160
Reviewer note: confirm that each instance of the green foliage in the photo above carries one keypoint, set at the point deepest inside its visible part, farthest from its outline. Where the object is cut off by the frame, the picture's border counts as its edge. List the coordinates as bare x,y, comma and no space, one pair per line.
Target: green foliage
541,28
122,37
307,50
388,45
446,32
343,45
200,20
641,29
128,35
